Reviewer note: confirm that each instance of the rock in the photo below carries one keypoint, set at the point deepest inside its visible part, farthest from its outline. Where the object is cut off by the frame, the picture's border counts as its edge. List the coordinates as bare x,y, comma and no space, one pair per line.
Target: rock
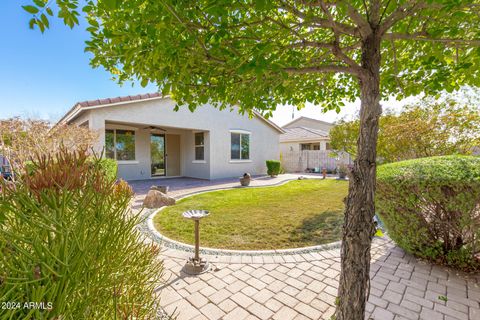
156,199
162,189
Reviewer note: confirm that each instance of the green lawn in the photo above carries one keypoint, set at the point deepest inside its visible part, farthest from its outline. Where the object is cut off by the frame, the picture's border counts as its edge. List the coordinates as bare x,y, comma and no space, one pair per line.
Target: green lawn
297,214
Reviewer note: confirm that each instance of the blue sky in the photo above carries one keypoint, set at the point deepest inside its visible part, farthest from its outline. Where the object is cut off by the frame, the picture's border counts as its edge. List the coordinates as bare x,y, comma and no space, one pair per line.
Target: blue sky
43,75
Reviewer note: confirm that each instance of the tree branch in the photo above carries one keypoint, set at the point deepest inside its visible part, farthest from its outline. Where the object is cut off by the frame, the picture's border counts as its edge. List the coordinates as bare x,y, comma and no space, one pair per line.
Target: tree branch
311,44
357,18
323,69
401,13
336,50
324,23
425,37
374,16
395,66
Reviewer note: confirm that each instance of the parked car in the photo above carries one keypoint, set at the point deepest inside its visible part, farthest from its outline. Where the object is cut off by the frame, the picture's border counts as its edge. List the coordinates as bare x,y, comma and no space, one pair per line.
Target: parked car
5,172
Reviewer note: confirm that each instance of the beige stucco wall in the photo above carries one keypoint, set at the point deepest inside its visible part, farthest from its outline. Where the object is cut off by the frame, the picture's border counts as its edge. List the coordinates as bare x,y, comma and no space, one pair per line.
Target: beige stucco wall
295,146
215,123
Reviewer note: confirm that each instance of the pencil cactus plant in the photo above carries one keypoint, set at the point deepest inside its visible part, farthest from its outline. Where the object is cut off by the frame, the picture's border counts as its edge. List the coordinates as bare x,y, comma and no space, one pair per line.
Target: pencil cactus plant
69,245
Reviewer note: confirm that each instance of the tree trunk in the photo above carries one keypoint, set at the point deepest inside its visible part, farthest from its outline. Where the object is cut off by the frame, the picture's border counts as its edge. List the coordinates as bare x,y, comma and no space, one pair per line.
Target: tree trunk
358,228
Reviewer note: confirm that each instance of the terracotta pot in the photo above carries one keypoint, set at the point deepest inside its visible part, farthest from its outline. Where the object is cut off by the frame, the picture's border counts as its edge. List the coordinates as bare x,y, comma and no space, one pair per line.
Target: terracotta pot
245,182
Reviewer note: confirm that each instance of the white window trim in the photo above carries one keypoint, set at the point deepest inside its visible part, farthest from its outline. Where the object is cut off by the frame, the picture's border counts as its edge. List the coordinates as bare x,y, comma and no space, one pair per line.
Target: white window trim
240,161
241,132
195,148
127,161
120,127
134,161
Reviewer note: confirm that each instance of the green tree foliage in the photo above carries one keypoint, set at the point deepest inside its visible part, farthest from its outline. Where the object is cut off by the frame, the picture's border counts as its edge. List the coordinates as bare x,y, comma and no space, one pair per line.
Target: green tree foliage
257,54
431,208
67,237
263,53
421,130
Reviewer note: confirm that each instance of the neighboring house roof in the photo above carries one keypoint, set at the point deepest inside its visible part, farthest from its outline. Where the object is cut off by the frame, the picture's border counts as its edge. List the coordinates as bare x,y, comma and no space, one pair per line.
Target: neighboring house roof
94,104
306,118
303,134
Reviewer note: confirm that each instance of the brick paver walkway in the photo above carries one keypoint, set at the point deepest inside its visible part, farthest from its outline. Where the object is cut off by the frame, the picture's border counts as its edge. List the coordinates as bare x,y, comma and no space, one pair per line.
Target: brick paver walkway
304,286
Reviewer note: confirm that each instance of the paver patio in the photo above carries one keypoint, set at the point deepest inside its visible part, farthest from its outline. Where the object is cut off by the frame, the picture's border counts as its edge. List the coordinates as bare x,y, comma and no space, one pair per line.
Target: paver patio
179,187
239,287
304,285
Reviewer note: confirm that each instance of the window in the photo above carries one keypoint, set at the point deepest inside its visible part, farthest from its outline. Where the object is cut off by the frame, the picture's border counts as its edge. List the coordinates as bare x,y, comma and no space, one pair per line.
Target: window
199,146
120,144
327,146
240,146
305,146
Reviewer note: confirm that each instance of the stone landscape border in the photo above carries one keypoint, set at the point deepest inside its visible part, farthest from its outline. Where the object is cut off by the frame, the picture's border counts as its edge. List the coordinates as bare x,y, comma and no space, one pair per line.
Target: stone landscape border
148,228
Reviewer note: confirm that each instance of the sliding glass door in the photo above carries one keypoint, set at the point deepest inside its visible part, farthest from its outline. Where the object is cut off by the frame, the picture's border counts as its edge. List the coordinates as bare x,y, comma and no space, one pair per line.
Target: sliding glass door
157,155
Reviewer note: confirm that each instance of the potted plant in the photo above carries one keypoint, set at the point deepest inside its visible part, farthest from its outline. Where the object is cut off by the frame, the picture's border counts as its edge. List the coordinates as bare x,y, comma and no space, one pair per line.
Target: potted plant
245,180
342,171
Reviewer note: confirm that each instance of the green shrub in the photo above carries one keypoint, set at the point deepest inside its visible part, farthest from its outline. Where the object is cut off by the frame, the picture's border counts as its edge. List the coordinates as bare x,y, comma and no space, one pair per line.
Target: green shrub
273,167
67,237
109,167
431,208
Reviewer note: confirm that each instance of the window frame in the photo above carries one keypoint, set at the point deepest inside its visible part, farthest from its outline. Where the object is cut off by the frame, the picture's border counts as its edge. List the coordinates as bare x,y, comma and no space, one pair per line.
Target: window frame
305,146
114,130
195,146
241,133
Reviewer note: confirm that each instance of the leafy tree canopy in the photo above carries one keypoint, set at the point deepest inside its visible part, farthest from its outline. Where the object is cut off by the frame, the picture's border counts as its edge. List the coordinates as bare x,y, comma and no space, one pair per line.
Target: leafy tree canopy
426,129
262,53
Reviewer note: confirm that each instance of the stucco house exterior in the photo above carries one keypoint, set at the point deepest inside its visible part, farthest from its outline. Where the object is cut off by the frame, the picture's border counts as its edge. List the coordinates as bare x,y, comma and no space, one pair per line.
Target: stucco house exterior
305,134
148,139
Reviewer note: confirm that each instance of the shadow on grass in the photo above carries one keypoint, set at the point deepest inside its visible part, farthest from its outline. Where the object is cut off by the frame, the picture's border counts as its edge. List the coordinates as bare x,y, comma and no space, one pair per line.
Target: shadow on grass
321,228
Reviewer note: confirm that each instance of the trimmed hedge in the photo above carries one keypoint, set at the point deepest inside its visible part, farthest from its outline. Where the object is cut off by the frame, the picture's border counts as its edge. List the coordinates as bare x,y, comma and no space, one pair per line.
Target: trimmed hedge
431,208
273,167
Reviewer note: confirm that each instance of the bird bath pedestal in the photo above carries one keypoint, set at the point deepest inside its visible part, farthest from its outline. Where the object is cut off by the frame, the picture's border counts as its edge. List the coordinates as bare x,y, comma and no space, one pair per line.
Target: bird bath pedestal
196,265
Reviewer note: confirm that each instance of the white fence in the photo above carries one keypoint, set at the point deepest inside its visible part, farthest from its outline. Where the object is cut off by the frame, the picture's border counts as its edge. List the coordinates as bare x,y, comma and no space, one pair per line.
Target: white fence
300,161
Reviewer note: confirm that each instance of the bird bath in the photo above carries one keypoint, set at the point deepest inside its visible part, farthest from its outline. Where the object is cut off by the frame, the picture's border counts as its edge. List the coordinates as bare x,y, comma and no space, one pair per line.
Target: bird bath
196,265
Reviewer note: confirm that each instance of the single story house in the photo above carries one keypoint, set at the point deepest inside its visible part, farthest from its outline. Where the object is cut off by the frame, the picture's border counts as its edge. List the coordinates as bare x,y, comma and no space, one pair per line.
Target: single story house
148,139
305,134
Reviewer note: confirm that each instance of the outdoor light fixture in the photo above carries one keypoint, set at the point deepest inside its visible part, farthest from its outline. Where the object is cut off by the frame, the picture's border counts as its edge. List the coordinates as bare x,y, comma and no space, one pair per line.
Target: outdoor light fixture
196,265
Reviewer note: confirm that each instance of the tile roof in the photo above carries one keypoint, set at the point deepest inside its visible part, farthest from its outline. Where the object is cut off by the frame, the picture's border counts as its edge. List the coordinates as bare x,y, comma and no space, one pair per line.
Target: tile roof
100,102
306,118
302,133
